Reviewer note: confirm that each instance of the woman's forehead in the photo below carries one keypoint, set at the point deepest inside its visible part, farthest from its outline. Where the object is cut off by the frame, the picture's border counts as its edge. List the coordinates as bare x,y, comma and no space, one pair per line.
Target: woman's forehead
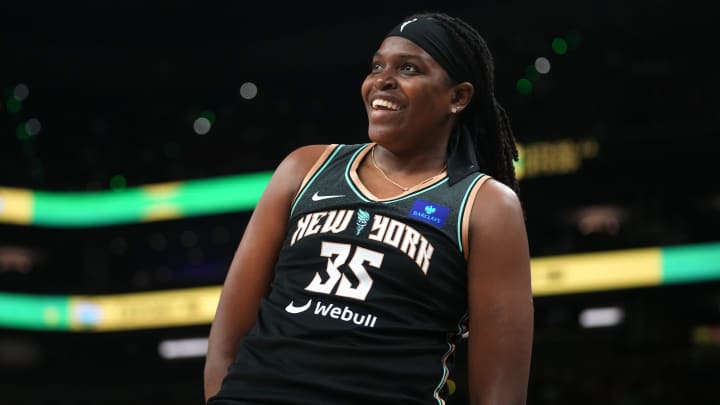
394,46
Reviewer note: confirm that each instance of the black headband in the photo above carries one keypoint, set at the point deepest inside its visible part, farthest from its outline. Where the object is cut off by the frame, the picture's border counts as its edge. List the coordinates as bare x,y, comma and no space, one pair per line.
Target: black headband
428,34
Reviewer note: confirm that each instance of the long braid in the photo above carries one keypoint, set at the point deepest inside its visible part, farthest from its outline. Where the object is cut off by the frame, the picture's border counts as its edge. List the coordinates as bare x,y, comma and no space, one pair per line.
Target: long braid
494,140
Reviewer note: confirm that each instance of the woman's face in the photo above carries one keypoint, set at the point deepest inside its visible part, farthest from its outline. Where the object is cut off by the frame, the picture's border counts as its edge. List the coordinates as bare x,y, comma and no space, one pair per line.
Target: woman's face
407,94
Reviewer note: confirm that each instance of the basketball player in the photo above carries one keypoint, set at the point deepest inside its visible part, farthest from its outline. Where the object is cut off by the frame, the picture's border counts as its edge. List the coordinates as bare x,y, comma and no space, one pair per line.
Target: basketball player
363,265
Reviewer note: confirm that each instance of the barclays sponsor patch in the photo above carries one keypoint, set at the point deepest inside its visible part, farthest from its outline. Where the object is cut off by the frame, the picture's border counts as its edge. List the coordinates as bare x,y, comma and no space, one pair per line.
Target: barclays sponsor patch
433,214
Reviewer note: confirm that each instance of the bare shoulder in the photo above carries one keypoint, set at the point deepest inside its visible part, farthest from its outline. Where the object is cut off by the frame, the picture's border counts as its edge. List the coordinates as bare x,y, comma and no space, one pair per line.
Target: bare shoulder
500,301
303,158
495,205
293,168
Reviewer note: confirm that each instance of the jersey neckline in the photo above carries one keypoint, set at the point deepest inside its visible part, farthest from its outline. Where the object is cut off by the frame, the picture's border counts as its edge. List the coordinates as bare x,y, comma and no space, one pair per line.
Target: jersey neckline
353,179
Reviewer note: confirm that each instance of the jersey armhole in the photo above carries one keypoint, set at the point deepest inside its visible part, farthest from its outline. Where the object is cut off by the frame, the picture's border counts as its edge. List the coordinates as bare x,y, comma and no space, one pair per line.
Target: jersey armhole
312,172
468,205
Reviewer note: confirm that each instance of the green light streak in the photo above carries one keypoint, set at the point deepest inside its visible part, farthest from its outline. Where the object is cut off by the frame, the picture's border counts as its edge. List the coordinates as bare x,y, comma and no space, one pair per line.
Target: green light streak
150,203
26,311
224,194
682,264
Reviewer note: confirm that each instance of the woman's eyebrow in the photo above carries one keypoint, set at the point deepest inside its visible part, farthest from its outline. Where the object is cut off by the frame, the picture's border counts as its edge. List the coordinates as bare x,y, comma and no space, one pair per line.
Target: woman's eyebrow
400,55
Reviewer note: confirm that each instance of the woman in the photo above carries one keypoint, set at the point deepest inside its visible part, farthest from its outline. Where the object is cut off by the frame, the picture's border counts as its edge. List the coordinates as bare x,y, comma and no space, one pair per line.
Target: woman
363,265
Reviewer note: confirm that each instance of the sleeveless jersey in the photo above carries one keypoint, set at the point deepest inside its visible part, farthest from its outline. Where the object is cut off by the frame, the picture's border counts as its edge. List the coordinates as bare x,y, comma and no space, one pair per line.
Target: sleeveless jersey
369,296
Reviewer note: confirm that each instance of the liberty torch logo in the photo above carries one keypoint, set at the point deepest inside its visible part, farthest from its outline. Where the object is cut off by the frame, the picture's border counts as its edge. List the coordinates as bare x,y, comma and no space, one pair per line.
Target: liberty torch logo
362,220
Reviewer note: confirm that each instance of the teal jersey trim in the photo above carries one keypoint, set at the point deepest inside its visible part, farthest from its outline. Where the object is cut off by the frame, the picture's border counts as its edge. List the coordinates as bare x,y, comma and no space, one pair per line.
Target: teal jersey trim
347,174
365,199
446,370
315,176
461,214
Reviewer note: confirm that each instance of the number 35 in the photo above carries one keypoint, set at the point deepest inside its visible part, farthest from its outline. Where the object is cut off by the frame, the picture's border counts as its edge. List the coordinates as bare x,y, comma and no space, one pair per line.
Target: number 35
337,254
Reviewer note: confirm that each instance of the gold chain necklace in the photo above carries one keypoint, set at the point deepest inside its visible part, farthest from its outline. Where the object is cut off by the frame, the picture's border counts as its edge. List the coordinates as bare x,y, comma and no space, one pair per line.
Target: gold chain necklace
403,188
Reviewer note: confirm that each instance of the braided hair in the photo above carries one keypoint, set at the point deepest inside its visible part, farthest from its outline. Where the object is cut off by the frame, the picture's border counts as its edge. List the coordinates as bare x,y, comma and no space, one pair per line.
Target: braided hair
494,141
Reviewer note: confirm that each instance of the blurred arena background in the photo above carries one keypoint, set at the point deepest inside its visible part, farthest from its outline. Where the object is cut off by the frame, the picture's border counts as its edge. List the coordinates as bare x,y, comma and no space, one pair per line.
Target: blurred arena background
136,137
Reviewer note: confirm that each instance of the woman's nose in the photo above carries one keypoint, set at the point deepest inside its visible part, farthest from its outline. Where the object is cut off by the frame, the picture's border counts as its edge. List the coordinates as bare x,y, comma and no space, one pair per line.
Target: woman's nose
385,81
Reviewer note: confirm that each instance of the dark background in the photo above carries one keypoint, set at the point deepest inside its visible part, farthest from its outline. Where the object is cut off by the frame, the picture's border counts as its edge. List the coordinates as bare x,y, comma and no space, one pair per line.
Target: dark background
117,86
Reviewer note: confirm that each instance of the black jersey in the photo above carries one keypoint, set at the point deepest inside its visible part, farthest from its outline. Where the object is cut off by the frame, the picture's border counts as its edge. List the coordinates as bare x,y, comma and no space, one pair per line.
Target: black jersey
369,295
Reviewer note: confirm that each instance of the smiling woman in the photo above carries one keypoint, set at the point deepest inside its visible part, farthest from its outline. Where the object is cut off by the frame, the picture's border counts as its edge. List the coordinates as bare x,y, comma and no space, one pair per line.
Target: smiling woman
323,302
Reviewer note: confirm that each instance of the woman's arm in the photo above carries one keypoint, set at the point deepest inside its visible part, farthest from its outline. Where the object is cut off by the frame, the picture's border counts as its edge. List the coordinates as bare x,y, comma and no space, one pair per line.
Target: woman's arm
250,273
499,299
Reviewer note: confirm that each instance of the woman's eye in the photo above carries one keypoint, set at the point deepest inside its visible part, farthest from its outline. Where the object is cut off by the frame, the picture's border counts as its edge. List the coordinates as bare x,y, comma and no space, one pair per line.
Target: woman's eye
408,67
375,67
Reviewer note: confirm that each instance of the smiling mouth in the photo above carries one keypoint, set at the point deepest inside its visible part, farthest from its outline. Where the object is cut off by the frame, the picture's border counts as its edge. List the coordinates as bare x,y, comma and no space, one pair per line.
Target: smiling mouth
384,105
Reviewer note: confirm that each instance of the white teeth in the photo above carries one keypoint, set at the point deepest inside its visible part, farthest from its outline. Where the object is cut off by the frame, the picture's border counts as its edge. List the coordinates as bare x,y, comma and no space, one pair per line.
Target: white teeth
384,103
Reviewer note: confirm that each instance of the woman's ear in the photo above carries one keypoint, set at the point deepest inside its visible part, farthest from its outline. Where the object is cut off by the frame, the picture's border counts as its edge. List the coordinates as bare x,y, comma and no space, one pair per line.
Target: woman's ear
462,94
